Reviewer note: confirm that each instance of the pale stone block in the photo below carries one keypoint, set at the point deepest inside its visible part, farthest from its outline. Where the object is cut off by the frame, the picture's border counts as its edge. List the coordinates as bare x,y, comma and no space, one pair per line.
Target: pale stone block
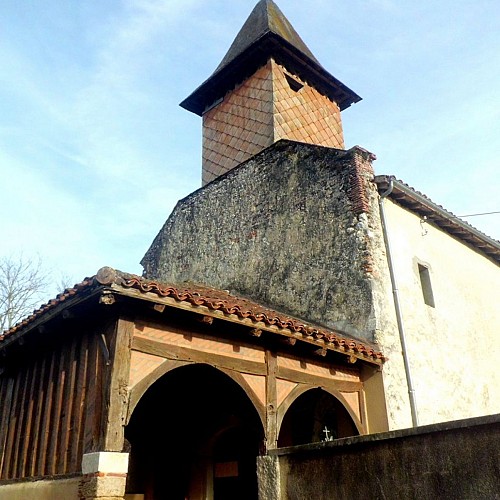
105,461
102,487
268,474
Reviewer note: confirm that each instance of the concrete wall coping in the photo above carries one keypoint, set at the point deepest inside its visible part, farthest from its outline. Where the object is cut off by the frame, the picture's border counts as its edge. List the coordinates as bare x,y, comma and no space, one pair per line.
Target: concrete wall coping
386,436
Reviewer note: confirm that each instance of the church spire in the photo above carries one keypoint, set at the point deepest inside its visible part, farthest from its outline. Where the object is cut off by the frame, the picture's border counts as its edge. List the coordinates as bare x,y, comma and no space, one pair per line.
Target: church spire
269,86
265,18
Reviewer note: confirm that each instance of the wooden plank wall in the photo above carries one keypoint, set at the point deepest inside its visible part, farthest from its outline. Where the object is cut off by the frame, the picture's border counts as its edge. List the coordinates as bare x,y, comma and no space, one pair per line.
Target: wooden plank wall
51,409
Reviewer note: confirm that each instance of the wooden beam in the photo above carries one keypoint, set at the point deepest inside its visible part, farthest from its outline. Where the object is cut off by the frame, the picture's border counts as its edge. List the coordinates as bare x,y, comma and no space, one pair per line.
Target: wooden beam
7,386
75,449
26,429
271,441
117,399
57,406
30,431
157,348
316,380
103,344
69,394
11,429
49,391
92,409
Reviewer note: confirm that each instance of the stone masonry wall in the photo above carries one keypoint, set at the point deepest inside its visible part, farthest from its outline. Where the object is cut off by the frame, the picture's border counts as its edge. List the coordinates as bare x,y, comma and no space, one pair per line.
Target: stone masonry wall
455,460
291,228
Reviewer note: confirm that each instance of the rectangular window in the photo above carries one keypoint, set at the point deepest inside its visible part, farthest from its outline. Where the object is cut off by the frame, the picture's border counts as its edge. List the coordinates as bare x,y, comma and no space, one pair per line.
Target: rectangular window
425,283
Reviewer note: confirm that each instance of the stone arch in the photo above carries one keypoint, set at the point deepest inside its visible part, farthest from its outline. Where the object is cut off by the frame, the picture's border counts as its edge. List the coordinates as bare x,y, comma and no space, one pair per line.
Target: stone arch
303,389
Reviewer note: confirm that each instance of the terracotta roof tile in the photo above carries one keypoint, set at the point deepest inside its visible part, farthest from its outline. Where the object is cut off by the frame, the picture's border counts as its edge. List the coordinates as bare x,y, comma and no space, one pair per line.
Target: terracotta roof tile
214,300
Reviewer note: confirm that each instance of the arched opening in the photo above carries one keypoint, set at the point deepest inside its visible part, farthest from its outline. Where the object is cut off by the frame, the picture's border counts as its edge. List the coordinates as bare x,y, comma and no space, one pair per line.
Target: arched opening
315,416
194,434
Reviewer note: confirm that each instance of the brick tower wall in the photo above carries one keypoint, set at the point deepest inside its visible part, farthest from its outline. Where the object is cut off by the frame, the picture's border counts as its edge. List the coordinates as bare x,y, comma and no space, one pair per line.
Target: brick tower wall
240,126
304,115
262,110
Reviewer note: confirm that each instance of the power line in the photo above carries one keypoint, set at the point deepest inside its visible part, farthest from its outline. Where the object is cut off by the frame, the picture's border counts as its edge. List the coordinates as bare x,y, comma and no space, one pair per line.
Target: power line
475,215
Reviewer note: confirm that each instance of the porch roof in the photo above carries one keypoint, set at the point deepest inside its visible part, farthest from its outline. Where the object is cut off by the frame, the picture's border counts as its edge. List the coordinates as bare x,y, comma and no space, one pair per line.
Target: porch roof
202,300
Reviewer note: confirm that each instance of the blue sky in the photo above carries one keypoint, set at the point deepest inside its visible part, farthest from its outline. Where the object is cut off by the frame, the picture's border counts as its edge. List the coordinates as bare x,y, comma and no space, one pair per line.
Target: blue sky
95,151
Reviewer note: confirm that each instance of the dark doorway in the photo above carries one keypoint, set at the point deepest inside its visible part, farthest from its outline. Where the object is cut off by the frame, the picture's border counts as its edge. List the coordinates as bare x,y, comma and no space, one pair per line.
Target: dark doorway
194,434
315,416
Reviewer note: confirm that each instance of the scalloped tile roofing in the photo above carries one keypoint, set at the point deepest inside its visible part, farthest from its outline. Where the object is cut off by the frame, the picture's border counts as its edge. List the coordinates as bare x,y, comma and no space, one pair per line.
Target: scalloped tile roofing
214,300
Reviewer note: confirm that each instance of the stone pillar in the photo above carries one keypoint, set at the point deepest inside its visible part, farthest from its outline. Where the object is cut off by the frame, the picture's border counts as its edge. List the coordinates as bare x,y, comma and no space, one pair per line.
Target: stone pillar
268,477
104,476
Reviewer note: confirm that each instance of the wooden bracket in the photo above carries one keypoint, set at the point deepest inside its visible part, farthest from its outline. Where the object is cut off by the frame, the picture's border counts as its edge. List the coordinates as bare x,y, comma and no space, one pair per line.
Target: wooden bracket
206,320
107,299
255,332
159,307
67,314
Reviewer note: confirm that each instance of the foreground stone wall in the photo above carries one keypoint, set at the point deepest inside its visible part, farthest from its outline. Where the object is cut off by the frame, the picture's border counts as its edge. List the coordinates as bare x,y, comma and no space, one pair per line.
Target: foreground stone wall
454,460
55,489
291,228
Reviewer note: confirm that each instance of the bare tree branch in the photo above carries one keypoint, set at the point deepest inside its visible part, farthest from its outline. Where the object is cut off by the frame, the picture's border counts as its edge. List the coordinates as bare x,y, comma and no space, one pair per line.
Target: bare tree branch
22,283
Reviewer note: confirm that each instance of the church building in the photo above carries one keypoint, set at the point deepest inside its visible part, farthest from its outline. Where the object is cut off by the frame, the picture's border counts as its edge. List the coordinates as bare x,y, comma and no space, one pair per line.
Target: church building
296,297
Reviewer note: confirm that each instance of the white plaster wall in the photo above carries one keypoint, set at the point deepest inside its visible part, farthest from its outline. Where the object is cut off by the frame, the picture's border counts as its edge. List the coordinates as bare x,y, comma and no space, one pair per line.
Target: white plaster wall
454,347
386,331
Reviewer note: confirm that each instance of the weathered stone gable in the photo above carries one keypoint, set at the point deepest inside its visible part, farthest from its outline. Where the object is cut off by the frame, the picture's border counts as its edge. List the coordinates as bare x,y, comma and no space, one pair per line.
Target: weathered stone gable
290,228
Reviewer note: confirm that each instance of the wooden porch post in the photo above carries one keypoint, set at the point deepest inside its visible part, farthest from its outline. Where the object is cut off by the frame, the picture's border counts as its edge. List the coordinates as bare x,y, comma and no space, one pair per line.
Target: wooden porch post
271,440
105,471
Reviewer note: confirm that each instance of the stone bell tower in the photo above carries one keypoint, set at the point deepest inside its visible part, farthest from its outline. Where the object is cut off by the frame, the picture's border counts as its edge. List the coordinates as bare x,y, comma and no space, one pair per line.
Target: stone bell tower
268,87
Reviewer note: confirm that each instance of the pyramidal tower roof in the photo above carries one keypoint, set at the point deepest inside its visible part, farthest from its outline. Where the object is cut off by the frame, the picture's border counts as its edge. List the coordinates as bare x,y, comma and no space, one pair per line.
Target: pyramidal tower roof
267,33
266,17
